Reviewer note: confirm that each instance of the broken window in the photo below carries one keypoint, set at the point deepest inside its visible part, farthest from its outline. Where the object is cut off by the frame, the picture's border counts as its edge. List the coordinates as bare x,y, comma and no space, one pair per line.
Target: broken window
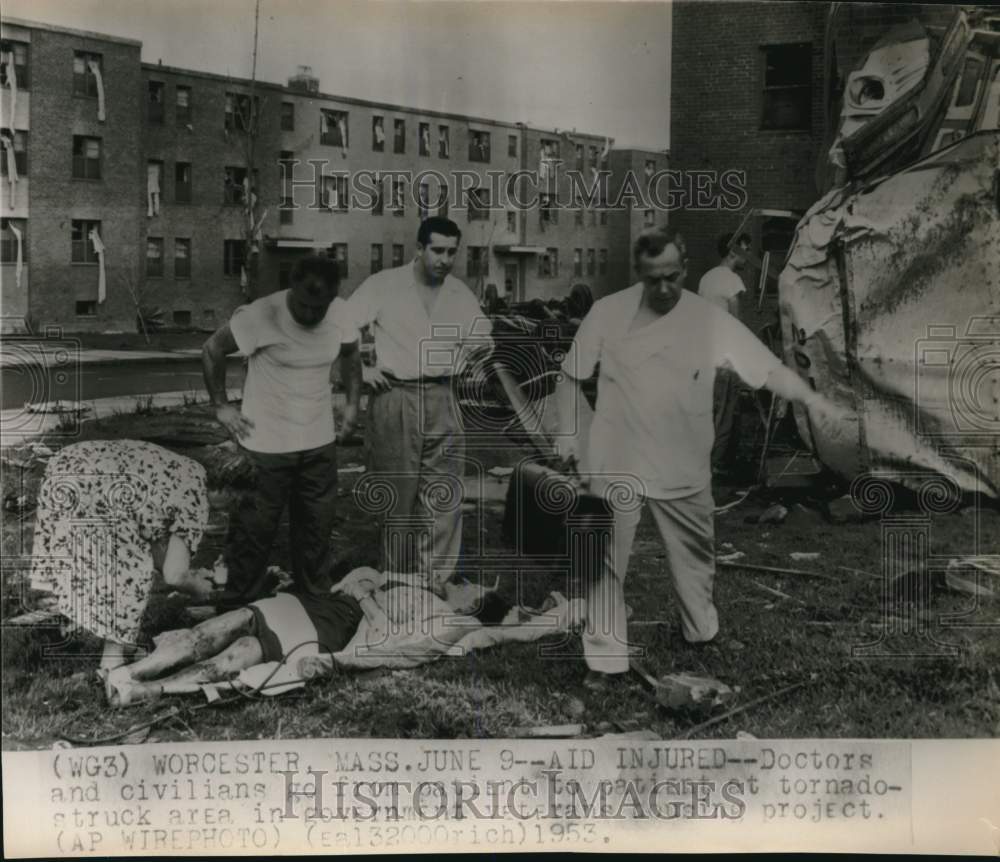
378,134
444,142
182,258
787,96
479,204
398,253
398,191
182,182
425,139
19,52
182,106
241,112
154,102
399,136
333,128
288,116
82,249
334,195
8,240
84,79
154,257
235,185
232,257
477,262
548,263
20,144
479,146
376,263
86,158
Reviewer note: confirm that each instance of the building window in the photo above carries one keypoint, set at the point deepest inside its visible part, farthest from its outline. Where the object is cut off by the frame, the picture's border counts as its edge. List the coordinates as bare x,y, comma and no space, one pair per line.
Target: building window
286,167
376,257
398,203
154,257
286,214
547,212
577,261
288,116
20,52
82,246
602,262
479,204
86,158
86,308
787,98
479,146
650,168
424,142
241,113
182,317
154,102
548,263
232,257
333,129
183,106
579,157
338,251
512,222
378,134
378,197
182,182
398,254
423,200
591,261
649,218
235,185
182,258
84,80
335,193
443,200
8,240
444,142
477,262
20,141
594,158
512,146
399,136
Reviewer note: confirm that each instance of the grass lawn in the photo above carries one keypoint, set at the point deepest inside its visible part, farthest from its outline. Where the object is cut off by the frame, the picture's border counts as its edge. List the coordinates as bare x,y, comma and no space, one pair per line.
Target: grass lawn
767,642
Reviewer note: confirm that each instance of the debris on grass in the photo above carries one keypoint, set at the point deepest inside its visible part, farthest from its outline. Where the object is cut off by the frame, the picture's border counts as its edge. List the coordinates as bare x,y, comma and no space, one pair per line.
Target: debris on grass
730,558
804,555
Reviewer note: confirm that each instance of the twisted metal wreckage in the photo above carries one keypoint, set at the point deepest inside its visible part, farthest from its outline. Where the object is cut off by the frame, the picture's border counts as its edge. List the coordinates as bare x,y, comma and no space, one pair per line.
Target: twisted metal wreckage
890,296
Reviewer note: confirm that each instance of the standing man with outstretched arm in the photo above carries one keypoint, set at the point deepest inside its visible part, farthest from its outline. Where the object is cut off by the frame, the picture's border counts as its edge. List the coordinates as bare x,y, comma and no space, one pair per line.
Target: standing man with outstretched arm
658,346
286,427
427,326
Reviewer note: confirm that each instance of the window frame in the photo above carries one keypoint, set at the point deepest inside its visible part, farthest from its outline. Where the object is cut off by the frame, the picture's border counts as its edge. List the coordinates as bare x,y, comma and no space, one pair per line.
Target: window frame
154,242
182,272
767,89
232,263
82,161
8,244
87,256
181,197
376,262
334,139
84,82
21,70
20,155
182,113
478,153
287,120
157,116
398,136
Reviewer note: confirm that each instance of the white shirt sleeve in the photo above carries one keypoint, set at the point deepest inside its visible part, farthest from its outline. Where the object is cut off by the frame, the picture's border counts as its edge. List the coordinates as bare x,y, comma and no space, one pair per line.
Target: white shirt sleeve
245,324
348,329
585,352
741,351
362,307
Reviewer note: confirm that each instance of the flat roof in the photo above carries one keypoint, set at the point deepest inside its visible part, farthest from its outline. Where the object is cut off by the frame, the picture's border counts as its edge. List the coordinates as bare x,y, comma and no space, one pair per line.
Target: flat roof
55,28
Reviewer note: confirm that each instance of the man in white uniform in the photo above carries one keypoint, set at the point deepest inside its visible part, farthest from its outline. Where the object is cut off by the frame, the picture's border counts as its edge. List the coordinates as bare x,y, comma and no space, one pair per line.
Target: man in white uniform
658,347
286,427
427,325
723,285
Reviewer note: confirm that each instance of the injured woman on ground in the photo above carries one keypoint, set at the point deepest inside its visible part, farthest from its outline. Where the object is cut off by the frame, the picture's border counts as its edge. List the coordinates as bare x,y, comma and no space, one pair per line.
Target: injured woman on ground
369,619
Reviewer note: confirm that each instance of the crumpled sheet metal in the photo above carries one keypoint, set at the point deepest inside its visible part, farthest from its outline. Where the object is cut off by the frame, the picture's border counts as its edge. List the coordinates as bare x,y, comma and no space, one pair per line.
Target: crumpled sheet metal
890,304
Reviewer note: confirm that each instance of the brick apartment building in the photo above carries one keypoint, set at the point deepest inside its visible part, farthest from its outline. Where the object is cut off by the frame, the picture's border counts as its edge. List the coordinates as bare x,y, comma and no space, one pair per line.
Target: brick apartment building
749,93
162,178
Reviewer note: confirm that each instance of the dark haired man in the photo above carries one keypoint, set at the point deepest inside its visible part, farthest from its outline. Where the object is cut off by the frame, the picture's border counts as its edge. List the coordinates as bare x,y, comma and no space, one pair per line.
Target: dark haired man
285,425
723,285
658,346
427,326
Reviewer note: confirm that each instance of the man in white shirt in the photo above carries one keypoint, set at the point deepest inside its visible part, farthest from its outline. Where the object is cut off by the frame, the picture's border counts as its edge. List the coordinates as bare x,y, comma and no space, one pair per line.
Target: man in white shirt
427,325
285,425
723,285
658,347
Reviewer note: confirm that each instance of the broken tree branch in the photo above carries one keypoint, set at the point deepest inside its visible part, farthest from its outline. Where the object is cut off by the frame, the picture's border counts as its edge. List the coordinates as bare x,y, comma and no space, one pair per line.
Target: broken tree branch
727,715
774,570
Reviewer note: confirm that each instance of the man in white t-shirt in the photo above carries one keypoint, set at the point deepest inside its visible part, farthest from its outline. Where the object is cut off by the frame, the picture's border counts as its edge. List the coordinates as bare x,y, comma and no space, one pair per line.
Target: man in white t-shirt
723,285
427,325
658,347
285,426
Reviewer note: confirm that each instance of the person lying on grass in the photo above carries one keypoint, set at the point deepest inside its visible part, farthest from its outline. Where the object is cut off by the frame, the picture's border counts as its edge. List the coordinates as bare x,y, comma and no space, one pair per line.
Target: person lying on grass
372,613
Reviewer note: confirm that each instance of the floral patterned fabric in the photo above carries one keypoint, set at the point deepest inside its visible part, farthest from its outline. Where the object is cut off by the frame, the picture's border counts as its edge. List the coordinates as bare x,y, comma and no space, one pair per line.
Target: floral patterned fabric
101,506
